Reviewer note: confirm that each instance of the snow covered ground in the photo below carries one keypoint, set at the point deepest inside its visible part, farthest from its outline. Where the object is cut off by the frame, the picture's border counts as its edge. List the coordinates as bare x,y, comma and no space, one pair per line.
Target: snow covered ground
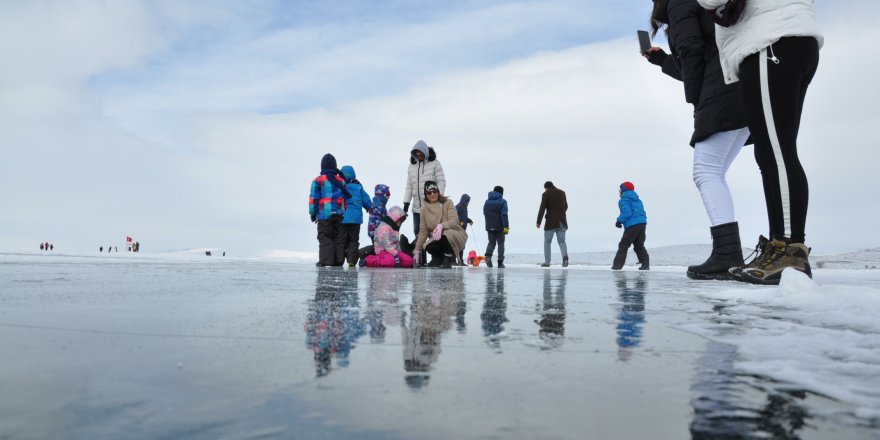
188,346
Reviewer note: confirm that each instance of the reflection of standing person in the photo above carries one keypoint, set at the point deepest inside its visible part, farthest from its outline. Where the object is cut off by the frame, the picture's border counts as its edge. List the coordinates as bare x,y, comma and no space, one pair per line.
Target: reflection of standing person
553,201
353,218
494,313
423,167
429,318
634,221
773,51
552,321
631,316
332,323
497,225
326,207
719,122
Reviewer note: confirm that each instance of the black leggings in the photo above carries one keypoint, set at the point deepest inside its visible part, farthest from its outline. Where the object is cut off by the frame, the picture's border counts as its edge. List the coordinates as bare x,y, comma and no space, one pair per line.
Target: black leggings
777,78
438,248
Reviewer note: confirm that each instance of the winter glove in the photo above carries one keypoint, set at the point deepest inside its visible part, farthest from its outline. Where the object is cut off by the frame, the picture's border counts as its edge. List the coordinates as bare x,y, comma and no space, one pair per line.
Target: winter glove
656,57
505,230
406,207
438,232
396,261
314,218
417,258
470,222
618,224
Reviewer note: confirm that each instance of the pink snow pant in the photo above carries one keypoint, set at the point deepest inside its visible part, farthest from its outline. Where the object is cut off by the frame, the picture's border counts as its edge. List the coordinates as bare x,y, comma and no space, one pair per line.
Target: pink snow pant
385,259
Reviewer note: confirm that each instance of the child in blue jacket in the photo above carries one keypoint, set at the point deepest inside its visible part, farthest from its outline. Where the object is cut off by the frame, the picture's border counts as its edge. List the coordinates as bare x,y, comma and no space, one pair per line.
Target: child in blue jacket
634,221
497,225
353,218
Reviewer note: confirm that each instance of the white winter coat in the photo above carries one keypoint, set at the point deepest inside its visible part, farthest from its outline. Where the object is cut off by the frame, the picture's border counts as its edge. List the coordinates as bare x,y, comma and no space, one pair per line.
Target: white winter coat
763,22
419,173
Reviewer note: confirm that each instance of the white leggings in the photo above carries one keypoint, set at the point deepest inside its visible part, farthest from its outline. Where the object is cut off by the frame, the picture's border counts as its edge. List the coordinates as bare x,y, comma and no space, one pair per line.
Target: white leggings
712,158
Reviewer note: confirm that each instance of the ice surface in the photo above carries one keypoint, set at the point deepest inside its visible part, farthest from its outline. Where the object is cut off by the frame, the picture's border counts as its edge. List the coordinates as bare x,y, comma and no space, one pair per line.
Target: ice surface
187,346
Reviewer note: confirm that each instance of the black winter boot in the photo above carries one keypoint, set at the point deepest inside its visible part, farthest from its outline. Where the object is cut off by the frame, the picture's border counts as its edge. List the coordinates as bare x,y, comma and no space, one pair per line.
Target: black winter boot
488,260
446,263
726,253
501,262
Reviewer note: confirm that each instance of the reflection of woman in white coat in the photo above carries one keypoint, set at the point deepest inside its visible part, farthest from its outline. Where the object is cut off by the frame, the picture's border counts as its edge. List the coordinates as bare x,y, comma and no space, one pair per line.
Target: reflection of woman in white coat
423,167
773,52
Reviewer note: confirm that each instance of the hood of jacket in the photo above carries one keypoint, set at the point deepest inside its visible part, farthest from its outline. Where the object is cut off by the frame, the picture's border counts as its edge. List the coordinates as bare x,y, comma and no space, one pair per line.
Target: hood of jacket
348,173
494,195
629,195
430,154
382,191
328,162
464,200
396,213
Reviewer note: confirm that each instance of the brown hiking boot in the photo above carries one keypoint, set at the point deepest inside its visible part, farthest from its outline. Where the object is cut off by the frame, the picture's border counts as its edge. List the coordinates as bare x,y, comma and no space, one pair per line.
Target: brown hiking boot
757,257
778,256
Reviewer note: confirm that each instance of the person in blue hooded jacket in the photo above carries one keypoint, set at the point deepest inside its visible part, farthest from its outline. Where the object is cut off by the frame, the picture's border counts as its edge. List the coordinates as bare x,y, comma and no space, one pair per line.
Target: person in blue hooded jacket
353,217
497,225
634,220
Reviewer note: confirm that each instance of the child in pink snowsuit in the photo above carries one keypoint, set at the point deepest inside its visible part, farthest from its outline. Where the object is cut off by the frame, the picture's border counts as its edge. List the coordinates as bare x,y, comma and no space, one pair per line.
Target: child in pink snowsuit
386,242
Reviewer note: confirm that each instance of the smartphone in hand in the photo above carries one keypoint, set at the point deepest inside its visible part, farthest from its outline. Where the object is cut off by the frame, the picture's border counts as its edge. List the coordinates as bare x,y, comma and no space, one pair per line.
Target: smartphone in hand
644,41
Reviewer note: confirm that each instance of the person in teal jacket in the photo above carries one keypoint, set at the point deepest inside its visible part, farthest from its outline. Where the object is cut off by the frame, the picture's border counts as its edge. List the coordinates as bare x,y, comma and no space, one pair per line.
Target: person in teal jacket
353,217
634,221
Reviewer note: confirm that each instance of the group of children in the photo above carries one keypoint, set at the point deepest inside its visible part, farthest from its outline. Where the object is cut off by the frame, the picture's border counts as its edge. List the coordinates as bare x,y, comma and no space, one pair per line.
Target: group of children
335,203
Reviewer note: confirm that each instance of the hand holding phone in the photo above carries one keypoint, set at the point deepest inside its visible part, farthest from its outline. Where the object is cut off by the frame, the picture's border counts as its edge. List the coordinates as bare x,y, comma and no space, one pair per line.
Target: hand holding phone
644,41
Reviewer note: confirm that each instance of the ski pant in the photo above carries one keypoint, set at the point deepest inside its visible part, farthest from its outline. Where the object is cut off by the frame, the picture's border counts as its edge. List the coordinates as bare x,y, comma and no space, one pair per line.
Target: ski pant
495,237
415,217
712,158
773,85
351,233
331,247
560,238
632,236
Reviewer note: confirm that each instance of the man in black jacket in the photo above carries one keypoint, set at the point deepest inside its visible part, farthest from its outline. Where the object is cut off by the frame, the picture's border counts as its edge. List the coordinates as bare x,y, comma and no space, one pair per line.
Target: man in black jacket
554,203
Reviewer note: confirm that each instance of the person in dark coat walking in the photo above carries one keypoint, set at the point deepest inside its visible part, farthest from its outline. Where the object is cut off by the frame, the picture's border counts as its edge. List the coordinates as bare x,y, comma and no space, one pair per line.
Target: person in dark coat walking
463,220
720,128
554,203
497,225
634,221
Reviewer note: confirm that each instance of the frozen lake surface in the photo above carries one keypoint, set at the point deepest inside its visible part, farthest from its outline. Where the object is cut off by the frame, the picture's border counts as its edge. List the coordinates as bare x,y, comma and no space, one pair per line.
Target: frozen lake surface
183,347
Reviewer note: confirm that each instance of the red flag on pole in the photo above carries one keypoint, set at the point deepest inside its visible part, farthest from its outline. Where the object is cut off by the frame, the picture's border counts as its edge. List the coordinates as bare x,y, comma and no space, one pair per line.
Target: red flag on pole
128,239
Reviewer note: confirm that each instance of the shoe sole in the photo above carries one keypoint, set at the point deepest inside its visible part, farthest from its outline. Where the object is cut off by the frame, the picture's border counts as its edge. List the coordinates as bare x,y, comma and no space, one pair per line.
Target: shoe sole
715,276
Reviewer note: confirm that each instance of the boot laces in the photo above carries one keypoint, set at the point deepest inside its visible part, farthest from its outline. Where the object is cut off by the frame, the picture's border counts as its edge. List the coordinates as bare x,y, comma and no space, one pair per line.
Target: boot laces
759,253
775,253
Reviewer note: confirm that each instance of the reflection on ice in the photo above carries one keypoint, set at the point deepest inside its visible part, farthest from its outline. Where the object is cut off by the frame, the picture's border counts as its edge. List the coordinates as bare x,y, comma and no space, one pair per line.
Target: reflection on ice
552,322
333,323
494,313
631,292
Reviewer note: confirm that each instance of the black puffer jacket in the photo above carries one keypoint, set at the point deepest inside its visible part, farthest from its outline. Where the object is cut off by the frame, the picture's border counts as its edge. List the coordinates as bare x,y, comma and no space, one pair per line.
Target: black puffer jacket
694,61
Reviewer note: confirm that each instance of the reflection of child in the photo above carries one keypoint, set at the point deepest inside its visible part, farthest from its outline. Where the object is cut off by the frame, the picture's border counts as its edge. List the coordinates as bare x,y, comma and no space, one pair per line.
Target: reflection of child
386,243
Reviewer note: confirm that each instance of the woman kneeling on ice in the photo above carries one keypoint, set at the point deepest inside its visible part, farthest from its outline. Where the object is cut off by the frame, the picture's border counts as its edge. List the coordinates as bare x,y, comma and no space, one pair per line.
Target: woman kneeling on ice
439,220
386,243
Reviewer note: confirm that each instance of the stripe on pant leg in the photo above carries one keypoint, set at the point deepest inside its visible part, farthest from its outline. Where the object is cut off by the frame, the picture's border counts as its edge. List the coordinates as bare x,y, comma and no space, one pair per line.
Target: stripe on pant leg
784,193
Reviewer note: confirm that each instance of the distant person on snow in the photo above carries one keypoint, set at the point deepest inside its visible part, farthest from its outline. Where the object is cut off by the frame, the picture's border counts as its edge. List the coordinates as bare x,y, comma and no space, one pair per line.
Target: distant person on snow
381,194
554,203
51,247
388,252
634,221
497,225
101,249
462,209
41,246
327,200
353,217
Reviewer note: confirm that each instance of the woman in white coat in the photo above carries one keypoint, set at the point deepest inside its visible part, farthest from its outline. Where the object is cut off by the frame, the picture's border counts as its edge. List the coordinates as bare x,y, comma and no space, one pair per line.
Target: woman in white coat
423,167
773,52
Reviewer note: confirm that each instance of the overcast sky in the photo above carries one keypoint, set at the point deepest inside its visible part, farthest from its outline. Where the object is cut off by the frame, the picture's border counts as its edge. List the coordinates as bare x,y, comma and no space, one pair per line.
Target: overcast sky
191,124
